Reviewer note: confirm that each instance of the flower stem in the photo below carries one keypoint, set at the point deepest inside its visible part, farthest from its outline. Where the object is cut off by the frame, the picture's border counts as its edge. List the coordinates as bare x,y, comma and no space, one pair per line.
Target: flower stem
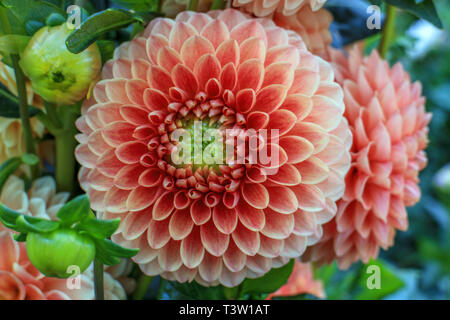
193,5
98,280
65,161
388,31
218,4
162,285
143,284
50,109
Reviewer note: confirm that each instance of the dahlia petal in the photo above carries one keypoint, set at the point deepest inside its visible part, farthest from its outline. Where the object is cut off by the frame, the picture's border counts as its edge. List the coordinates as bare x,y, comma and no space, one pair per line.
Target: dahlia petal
216,32
287,175
192,251
246,240
179,34
210,268
252,218
181,224
270,248
234,259
163,206
313,133
228,76
294,246
313,170
322,108
297,148
194,48
225,219
278,225
305,82
282,120
215,242
135,224
288,54
169,257
256,195
252,48
141,198
250,74
131,152
279,73
259,264
118,132
127,177
158,233
248,29
184,79
207,67
228,52
270,98
159,79
116,200
134,115
135,91
245,100
155,100
310,198
257,119
200,212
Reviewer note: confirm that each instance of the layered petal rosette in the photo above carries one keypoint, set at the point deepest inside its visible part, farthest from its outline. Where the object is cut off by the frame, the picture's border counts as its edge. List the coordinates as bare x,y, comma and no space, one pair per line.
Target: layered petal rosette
19,279
386,113
223,222
264,8
312,26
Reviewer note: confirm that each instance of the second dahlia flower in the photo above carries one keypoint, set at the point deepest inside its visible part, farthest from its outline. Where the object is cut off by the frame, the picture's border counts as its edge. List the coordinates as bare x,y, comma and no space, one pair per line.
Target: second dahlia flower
19,279
223,222
264,8
386,113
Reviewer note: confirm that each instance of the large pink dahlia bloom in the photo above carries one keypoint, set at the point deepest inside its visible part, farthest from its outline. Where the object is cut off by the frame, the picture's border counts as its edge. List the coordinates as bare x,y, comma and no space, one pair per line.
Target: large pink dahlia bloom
386,113
312,26
222,223
264,8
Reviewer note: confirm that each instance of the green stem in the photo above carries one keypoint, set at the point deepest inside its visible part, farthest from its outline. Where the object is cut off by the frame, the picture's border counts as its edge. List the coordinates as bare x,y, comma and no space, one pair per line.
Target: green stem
50,109
162,284
143,284
98,280
218,4
22,93
65,160
192,5
388,31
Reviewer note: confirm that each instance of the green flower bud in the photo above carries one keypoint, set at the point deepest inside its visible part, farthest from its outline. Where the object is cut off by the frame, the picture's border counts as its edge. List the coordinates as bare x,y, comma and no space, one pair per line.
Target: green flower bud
56,74
53,253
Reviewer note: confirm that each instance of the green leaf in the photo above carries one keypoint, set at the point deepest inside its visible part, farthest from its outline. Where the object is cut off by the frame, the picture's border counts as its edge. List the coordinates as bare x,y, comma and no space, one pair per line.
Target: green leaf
75,210
8,168
13,43
99,229
21,237
114,249
101,23
425,9
104,257
106,49
55,19
30,159
26,224
389,282
270,282
33,26
138,5
8,217
22,11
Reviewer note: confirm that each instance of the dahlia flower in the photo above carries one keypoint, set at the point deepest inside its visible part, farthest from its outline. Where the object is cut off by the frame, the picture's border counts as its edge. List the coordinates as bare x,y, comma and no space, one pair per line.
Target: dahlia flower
11,136
223,222
301,281
19,279
171,8
263,8
386,113
313,26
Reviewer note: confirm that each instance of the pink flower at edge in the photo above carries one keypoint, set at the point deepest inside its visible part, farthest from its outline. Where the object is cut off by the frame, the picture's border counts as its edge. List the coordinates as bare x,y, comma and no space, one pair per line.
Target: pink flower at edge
386,113
264,8
214,225
312,26
301,281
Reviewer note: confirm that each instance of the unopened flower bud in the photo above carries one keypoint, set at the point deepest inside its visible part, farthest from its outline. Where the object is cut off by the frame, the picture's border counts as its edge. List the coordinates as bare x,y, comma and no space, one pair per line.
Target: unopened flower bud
55,253
56,74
